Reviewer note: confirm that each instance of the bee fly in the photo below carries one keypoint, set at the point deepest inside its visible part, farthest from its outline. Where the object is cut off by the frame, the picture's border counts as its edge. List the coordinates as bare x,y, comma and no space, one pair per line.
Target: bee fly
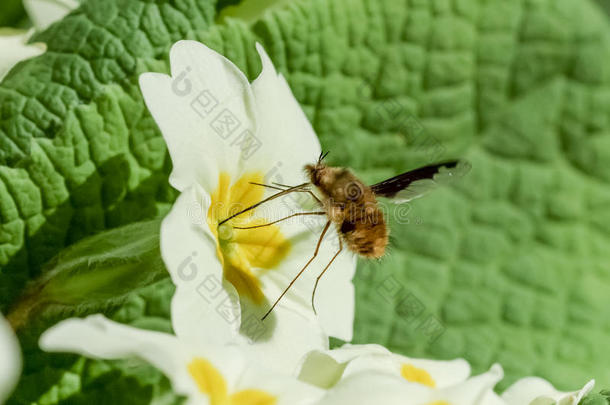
352,207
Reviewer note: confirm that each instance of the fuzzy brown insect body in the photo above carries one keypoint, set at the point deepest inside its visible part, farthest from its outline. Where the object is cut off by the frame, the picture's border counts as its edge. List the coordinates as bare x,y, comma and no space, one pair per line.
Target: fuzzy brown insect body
352,207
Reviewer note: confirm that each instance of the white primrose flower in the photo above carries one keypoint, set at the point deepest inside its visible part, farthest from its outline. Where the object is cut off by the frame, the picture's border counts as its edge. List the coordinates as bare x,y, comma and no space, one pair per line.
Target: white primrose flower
375,387
14,48
538,391
205,374
371,374
224,134
43,13
10,363
326,368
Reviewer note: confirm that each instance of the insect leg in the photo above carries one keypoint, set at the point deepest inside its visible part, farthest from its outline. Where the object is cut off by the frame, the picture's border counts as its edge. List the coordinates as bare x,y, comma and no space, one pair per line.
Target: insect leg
321,274
302,270
274,196
281,185
277,186
281,219
268,186
303,191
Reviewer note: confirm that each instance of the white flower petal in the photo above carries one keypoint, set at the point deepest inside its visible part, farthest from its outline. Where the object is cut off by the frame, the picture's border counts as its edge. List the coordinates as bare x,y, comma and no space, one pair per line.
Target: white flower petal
321,370
45,12
325,368
282,340
284,131
444,373
528,389
10,353
350,352
194,317
491,398
98,337
337,312
287,389
202,110
375,388
335,295
14,49
577,396
197,399
472,391
355,359
205,307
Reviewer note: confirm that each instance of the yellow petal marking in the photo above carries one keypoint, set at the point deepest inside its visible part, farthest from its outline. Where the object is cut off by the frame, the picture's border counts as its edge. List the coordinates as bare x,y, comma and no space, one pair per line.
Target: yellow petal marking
417,375
252,397
241,250
212,383
209,380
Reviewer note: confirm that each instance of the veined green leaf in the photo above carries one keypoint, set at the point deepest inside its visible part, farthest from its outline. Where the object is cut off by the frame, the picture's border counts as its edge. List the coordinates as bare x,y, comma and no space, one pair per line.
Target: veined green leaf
511,266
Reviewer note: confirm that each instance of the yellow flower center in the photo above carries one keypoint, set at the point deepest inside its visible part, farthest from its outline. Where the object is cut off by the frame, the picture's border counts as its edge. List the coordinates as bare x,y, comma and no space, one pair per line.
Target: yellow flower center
241,251
439,403
212,383
417,375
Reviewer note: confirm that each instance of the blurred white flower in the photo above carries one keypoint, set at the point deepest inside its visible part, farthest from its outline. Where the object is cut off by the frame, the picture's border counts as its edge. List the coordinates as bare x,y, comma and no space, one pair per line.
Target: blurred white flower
326,368
43,13
204,373
10,363
538,391
371,374
224,134
374,388
363,372
14,48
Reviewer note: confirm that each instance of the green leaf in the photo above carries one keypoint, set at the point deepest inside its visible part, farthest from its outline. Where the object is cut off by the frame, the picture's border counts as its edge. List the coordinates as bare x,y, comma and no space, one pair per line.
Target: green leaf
605,5
601,398
510,266
12,13
248,11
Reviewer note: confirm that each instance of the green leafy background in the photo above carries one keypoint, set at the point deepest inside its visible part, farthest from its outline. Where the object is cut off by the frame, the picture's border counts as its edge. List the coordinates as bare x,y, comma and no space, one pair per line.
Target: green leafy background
512,265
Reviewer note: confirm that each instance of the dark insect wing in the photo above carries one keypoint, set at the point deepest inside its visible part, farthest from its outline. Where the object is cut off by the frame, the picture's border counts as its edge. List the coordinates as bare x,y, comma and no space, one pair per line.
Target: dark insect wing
415,183
390,187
